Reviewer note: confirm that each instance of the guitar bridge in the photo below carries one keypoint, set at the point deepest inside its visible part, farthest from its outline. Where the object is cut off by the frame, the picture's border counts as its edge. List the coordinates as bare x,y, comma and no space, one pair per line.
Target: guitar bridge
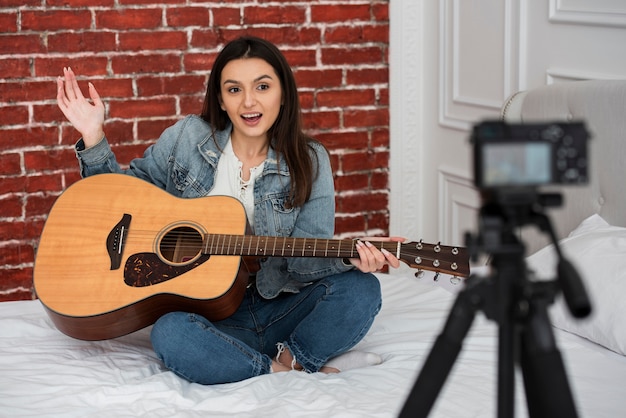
116,240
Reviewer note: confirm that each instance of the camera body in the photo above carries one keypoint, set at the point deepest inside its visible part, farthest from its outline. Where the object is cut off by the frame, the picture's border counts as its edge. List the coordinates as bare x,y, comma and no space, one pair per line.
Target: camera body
512,156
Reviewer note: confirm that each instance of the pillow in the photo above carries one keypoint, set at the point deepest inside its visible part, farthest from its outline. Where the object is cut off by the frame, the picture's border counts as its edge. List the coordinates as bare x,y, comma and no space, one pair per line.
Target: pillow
598,251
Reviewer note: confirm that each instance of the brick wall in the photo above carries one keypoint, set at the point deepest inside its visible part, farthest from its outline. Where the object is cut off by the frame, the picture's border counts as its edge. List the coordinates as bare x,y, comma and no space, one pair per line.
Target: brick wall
150,63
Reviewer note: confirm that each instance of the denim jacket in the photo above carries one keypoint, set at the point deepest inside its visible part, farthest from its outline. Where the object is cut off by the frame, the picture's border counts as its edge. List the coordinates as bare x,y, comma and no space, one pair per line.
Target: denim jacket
183,162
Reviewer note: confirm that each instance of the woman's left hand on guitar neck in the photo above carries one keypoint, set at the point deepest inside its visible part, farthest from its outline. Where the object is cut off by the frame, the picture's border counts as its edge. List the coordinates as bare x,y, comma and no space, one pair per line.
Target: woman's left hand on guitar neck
371,259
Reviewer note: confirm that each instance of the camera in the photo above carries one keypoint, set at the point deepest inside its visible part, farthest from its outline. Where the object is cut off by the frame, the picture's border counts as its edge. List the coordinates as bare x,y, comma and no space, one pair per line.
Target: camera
529,155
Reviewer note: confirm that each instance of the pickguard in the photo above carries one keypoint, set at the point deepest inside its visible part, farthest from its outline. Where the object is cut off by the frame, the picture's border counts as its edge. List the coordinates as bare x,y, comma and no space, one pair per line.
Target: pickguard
147,269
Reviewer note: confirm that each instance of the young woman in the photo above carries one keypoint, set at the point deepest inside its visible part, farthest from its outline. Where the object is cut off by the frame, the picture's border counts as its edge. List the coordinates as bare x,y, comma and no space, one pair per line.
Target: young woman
298,313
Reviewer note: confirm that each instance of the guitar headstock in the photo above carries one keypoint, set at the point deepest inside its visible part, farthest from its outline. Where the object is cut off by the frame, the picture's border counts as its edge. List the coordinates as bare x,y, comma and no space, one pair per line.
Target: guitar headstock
436,257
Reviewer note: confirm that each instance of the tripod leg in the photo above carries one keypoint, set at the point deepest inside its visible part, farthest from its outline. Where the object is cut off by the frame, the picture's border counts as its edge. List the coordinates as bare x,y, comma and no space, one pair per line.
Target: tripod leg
441,357
547,390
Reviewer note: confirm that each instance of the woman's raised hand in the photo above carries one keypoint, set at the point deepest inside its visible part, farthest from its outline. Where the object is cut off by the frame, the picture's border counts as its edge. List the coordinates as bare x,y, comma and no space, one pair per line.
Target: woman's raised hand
87,118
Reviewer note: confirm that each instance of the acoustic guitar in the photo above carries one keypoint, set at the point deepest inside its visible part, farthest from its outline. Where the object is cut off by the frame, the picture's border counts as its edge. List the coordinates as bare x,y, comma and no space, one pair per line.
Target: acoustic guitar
116,253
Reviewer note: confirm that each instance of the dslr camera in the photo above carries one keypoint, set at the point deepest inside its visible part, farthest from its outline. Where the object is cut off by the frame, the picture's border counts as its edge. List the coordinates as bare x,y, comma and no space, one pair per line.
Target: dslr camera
513,156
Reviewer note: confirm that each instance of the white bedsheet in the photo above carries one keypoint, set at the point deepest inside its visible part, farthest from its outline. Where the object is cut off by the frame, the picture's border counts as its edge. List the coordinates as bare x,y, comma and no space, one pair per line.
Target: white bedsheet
44,373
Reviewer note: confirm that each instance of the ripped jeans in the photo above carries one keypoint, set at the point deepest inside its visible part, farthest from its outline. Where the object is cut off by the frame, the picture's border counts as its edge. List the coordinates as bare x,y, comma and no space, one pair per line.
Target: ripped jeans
327,318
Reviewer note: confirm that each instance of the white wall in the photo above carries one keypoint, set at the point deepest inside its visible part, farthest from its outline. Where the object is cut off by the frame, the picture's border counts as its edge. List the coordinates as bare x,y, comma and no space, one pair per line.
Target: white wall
454,63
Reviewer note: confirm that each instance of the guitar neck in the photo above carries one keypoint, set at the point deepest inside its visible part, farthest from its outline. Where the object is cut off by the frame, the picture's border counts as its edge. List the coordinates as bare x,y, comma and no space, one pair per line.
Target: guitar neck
261,246
433,257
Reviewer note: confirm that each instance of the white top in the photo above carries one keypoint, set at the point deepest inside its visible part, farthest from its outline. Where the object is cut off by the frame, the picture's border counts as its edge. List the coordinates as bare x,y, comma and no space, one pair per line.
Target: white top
229,181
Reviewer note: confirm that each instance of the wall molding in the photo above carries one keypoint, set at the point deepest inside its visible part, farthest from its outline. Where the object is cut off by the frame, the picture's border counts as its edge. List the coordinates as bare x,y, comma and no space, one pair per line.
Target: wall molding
589,12
459,203
460,111
406,113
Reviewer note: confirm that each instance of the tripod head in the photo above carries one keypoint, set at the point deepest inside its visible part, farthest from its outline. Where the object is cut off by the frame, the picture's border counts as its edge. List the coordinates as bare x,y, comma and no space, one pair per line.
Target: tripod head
506,210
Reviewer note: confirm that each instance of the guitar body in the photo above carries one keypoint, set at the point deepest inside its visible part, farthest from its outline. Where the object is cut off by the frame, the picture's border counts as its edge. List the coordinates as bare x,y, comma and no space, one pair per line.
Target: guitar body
117,253
103,268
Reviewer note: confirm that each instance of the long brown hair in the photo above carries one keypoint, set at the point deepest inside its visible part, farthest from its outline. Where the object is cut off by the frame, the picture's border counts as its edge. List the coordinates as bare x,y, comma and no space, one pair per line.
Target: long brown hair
286,134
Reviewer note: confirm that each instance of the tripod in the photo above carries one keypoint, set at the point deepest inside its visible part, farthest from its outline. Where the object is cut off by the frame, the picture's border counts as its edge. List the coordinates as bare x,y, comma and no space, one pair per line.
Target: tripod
520,309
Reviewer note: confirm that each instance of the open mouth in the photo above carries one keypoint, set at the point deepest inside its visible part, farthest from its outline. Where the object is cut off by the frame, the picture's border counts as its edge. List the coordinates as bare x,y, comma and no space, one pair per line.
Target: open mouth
251,117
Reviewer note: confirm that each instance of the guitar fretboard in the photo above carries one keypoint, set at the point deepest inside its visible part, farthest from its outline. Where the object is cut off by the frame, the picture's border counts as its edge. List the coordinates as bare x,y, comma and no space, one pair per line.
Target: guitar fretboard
250,245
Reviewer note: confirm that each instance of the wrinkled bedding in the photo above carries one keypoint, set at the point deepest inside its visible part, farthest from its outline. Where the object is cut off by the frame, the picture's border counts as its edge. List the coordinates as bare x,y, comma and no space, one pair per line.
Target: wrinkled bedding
44,373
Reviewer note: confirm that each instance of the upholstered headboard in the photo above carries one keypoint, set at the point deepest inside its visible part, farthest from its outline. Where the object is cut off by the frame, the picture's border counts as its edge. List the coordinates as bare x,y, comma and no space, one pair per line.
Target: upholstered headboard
602,106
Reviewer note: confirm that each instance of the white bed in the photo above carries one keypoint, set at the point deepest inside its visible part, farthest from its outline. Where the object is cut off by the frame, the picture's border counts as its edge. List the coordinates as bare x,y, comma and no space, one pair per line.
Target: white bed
45,373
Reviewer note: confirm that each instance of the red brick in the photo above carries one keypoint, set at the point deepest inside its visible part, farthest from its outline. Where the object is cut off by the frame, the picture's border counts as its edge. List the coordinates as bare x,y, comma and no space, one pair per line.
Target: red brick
201,62
19,3
352,56
13,183
350,223
8,21
13,115
352,182
126,153
191,105
58,19
95,41
10,164
11,206
165,106
137,41
151,63
364,161
379,220
359,203
152,130
49,159
82,66
344,98
340,12
367,76
383,97
321,120
125,19
318,78
21,44
43,183
13,278
37,205
178,85
81,3
300,57
191,16
205,39
119,131
376,33
380,12
362,118
16,254
15,139
307,100
340,140
273,14
380,137
226,16
380,180
19,230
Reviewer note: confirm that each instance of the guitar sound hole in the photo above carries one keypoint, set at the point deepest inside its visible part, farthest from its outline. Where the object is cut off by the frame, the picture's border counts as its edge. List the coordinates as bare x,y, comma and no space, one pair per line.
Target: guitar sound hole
181,245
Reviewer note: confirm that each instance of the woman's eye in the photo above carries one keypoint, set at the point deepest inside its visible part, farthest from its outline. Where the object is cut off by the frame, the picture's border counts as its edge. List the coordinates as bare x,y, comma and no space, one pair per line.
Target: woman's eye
233,89
263,86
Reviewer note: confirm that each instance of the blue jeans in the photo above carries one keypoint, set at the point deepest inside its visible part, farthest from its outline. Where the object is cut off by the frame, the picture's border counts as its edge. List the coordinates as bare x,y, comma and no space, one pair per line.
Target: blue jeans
327,318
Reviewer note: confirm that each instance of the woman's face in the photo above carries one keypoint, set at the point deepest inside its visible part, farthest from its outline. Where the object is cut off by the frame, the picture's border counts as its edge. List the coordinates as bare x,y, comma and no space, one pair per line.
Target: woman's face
251,95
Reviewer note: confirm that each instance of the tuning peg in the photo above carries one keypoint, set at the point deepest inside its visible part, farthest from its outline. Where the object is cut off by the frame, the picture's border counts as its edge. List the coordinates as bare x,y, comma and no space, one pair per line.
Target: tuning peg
419,273
455,280
436,278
